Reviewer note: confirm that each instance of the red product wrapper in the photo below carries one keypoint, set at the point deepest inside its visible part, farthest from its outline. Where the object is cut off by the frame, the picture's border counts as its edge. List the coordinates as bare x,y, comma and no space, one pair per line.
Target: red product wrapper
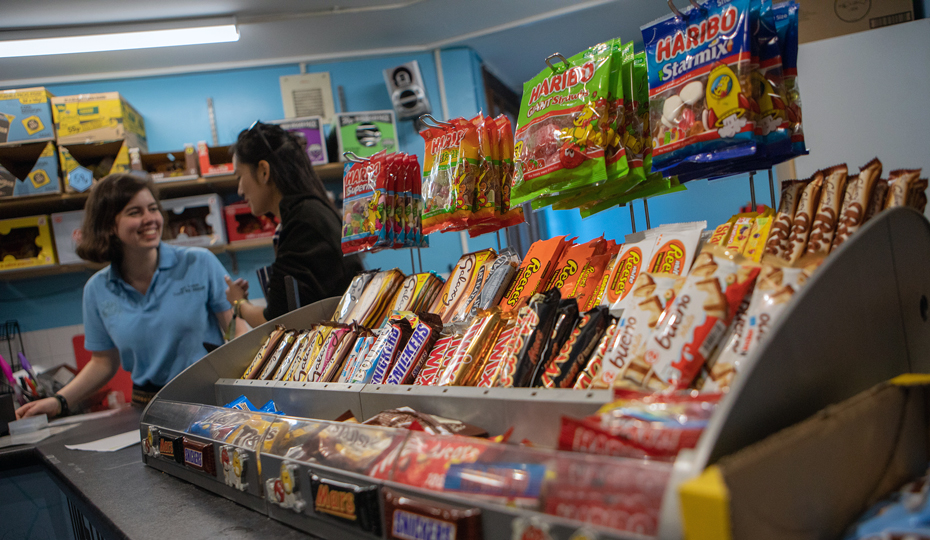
699,317
444,347
535,271
491,372
424,459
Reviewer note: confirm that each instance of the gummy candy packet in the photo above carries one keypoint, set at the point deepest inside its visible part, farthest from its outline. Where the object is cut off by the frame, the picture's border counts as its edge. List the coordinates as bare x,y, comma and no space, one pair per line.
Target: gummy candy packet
361,219
615,156
559,140
699,86
488,185
450,170
786,24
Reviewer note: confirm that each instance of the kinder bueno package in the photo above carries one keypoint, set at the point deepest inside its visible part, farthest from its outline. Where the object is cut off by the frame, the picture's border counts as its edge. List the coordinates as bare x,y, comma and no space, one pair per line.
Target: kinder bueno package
828,212
698,318
856,201
779,240
699,86
775,287
804,218
623,363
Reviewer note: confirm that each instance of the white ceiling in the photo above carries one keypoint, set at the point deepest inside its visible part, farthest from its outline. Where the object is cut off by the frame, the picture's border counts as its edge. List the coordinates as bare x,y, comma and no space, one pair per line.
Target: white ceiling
511,36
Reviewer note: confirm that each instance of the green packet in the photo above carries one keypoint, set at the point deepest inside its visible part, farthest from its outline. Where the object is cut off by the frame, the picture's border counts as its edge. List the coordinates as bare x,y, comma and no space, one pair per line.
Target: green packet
561,130
654,186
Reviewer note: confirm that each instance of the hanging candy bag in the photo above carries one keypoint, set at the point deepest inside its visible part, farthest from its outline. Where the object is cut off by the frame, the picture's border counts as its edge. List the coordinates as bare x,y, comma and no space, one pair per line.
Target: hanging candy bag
360,209
560,129
449,173
786,24
699,85
615,157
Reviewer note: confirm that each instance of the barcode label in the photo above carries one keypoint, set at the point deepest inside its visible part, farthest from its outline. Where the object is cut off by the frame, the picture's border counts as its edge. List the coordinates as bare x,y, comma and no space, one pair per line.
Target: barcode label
713,338
888,20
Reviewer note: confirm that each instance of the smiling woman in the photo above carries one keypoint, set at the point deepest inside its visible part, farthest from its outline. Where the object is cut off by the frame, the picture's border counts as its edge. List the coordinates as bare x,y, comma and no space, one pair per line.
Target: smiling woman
148,286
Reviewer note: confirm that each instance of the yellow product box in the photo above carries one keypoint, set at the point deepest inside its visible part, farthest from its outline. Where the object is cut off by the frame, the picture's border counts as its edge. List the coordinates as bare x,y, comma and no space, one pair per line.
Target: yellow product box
29,169
26,242
85,118
25,115
84,164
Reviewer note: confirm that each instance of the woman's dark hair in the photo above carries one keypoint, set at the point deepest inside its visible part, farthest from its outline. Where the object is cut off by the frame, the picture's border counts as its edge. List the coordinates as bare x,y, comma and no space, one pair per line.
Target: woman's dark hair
107,199
286,154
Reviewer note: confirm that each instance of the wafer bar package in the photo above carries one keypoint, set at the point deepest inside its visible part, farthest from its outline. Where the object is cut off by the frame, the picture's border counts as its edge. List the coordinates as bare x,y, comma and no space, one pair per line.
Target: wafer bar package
754,247
828,213
564,367
779,241
720,368
565,321
492,369
535,271
461,282
699,317
856,201
352,295
301,345
624,356
371,308
432,368
595,363
464,366
280,352
901,184
534,323
264,352
804,218
426,329
360,348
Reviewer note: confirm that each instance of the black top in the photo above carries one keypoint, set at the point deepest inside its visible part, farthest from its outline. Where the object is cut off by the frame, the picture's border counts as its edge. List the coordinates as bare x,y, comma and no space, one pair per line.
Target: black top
309,250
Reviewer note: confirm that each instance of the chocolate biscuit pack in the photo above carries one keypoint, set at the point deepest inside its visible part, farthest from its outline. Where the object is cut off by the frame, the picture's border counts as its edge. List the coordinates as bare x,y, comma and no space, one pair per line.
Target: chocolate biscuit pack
698,318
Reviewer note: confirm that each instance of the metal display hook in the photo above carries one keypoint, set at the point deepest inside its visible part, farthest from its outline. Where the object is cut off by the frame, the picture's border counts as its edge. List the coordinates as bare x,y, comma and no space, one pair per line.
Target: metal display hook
560,57
351,157
435,123
699,7
674,9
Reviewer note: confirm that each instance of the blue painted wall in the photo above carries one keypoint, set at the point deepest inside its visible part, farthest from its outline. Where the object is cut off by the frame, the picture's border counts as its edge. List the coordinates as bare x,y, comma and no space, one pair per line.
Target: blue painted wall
175,112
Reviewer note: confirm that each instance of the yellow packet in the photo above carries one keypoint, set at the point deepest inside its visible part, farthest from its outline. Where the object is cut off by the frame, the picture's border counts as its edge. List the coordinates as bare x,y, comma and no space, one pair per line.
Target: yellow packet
754,247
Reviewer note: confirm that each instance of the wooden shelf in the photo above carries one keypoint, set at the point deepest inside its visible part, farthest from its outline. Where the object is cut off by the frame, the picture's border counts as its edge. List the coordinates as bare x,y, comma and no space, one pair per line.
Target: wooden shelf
51,270
330,174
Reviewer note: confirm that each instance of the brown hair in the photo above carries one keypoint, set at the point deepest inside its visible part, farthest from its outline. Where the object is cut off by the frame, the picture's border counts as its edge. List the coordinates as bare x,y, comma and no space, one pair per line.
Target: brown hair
107,199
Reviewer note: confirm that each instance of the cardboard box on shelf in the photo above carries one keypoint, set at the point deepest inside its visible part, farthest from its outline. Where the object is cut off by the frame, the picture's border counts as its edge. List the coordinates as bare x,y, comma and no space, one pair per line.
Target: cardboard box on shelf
814,479
311,129
822,19
66,227
85,118
170,166
366,133
241,224
84,164
26,115
25,243
29,169
194,221
214,160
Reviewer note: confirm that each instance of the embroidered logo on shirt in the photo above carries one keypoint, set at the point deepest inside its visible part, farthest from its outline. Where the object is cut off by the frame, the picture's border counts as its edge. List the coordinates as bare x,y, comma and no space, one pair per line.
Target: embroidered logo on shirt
109,308
187,289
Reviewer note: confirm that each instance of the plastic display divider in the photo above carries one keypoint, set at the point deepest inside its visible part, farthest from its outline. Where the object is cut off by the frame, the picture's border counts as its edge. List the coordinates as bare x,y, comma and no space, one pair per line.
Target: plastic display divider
497,520
323,401
857,322
250,498
494,409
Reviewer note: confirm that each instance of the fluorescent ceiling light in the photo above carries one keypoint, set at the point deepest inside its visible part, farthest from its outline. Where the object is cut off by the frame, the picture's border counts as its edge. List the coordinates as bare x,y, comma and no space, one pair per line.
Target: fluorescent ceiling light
159,36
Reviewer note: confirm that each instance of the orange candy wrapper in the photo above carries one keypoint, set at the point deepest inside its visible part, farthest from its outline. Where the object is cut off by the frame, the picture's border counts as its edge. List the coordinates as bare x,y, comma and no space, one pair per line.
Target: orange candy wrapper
535,272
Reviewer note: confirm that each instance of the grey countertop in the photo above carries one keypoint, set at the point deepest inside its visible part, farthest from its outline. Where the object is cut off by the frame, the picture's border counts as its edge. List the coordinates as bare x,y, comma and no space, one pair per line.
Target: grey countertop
127,499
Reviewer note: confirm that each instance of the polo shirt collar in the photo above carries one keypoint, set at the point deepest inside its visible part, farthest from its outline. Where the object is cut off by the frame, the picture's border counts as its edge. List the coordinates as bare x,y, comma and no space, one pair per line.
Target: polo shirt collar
167,258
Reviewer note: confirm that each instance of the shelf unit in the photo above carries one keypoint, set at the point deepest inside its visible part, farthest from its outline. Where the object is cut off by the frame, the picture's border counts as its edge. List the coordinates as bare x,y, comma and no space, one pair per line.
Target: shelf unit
862,319
330,174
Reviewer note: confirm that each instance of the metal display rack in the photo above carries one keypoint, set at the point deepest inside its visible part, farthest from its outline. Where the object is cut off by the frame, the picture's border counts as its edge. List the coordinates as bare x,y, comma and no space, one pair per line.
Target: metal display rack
862,319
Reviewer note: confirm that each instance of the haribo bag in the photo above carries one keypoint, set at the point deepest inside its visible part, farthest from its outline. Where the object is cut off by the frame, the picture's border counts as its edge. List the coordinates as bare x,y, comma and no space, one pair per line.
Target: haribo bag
559,142
699,86
363,208
450,170
786,24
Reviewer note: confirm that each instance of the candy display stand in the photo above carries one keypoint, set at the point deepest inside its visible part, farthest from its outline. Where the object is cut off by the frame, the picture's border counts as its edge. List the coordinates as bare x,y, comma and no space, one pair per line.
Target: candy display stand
861,320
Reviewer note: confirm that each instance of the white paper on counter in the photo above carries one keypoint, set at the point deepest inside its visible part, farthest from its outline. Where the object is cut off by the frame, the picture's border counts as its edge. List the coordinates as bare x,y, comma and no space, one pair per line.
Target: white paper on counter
109,444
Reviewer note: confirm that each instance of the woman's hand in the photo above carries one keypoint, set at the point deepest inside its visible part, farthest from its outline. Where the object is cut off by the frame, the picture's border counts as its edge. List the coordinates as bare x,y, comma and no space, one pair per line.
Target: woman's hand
48,406
236,290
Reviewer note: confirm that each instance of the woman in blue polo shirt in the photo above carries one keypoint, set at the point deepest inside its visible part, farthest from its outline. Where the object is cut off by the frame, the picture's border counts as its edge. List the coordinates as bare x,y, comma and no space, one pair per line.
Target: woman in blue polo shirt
151,309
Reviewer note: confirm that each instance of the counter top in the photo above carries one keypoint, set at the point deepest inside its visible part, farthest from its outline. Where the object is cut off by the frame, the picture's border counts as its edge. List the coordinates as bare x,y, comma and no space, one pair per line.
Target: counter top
131,500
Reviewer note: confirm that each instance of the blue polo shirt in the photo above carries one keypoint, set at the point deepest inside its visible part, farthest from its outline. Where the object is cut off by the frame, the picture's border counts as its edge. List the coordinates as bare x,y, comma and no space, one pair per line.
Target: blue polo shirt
162,332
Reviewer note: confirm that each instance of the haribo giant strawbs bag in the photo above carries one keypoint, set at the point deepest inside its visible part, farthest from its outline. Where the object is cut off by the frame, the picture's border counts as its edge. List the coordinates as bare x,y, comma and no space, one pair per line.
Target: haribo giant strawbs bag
699,85
559,142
